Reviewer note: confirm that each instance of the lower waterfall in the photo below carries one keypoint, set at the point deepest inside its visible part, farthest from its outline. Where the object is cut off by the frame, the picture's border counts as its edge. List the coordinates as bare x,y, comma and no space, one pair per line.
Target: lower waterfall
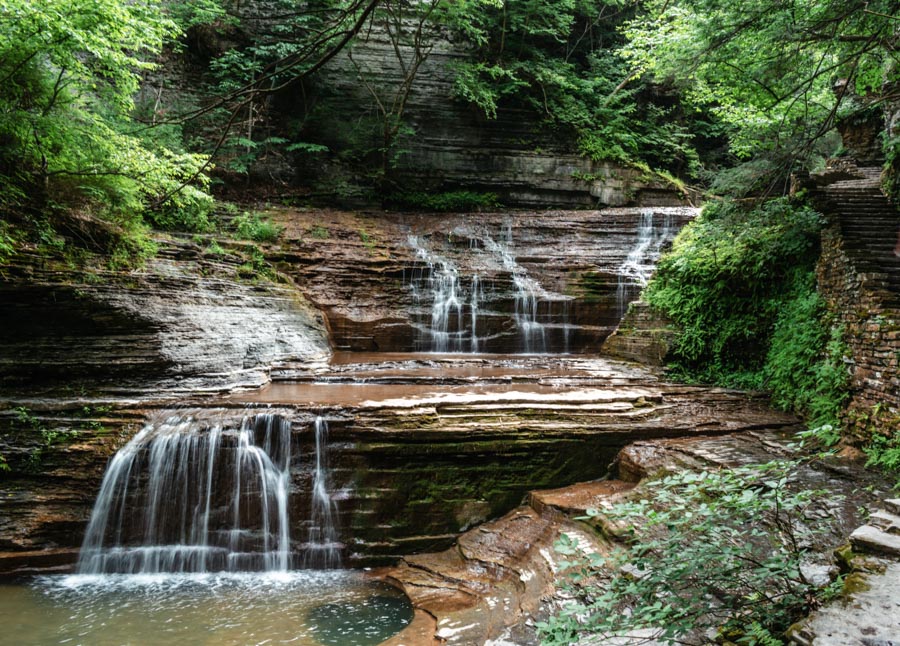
322,550
199,494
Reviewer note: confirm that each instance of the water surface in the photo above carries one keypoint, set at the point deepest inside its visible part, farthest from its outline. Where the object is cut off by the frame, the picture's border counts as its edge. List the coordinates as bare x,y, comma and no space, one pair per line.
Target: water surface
303,608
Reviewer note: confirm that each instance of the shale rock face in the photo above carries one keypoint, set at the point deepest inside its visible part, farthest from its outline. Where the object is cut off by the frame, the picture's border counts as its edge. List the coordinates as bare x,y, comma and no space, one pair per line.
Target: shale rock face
644,335
186,321
554,281
452,146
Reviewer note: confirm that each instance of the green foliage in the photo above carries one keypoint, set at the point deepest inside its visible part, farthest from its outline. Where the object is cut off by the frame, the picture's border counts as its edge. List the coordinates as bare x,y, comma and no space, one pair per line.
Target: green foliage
69,73
766,70
319,233
559,58
891,149
447,201
725,281
253,226
883,447
711,551
7,241
739,282
804,368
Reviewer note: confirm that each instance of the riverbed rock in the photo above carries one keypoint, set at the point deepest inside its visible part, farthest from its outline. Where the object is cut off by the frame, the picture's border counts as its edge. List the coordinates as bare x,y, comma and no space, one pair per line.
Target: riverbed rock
550,513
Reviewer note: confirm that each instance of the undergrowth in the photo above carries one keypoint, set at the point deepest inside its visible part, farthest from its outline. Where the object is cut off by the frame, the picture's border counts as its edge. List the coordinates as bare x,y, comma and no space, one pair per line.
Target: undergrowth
740,284
712,556
448,201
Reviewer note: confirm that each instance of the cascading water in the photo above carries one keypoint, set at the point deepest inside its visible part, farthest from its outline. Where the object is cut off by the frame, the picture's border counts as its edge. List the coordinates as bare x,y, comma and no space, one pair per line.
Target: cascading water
528,293
322,550
477,293
193,495
635,271
447,330
451,321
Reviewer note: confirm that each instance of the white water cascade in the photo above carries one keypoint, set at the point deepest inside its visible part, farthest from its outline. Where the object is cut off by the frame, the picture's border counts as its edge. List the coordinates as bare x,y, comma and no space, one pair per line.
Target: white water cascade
635,271
322,549
194,495
447,331
528,293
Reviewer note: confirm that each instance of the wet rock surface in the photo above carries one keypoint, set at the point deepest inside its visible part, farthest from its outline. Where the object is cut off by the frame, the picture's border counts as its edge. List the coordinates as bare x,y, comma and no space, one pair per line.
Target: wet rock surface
187,321
506,282
868,613
461,587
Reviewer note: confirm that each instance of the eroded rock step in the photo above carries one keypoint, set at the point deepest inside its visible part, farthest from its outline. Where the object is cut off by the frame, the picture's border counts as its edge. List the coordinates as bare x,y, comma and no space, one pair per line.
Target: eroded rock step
413,461
499,578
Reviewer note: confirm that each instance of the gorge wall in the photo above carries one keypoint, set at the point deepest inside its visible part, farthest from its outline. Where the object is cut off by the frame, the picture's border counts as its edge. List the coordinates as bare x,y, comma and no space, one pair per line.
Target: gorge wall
449,144
445,144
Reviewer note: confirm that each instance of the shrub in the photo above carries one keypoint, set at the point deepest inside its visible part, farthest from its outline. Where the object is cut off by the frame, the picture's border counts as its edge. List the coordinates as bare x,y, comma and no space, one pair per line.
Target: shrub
449,201
709,552
740,284
252,226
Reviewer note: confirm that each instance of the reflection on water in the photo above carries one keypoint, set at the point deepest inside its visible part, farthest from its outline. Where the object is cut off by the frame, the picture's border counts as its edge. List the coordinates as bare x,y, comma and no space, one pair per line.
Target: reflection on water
302,608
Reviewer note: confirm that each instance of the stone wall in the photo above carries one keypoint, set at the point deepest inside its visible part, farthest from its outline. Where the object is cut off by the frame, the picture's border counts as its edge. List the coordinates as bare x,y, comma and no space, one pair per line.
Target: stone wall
872,334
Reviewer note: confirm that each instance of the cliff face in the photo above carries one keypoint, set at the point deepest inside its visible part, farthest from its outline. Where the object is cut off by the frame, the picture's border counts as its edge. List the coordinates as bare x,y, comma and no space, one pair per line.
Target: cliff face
188,320
444,144
448,144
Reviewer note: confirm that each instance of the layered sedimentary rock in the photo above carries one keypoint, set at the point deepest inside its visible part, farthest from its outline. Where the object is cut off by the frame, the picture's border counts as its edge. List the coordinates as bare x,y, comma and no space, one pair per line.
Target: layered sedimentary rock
187,320
448,144
554,281
418,450
500,578
643,335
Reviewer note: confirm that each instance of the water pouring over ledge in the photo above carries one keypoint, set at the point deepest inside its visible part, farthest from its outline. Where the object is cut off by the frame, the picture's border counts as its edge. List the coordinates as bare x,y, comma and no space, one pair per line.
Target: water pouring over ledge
192,493
192,499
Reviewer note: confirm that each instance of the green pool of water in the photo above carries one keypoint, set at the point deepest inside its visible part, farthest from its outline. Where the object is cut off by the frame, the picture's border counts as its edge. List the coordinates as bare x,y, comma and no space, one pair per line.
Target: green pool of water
300,608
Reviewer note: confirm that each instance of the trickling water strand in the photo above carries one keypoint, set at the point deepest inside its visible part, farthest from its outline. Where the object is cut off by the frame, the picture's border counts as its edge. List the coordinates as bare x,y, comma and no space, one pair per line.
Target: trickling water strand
446,331
179,479
635,271
322,547
528,293
477,296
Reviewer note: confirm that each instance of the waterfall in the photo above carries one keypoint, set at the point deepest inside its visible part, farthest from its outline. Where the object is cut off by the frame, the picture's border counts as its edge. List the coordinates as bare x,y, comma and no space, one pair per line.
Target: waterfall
447,329
167,494
635,271
322,546
449,305
527,293
477,292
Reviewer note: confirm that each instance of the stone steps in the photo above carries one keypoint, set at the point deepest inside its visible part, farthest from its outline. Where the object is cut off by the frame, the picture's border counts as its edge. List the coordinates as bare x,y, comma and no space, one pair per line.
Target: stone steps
882,533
